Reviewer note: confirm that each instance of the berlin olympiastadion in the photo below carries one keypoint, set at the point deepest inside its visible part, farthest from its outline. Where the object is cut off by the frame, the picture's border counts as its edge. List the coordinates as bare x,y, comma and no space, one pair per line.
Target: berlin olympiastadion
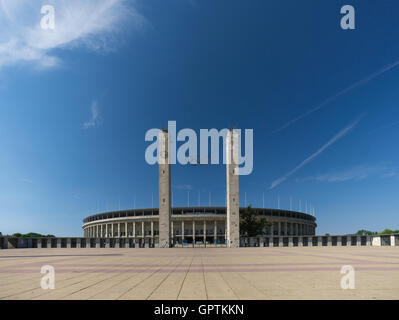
166,226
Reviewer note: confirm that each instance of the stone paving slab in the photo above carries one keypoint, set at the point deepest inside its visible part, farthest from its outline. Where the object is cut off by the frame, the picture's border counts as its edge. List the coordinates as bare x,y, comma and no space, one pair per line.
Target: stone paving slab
201,273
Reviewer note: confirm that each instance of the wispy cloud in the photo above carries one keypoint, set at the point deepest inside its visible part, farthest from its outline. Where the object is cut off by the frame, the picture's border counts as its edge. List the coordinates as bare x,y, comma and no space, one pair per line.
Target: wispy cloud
337,95
25,180
78,23
94,120
355,173
334,139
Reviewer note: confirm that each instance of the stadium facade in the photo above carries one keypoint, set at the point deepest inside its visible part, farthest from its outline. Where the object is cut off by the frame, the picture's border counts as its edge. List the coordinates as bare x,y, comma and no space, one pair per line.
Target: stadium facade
195,225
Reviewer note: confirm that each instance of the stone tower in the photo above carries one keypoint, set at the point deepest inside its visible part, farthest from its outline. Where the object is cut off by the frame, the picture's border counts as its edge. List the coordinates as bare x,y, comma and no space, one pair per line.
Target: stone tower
164,189
233,212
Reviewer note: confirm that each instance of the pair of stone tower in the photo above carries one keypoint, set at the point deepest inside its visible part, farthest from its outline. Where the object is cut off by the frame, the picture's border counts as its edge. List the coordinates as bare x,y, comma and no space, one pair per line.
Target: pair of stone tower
233,216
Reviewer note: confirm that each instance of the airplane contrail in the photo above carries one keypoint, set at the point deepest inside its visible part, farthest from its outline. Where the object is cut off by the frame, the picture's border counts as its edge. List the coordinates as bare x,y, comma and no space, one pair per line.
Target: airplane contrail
338,136
337,95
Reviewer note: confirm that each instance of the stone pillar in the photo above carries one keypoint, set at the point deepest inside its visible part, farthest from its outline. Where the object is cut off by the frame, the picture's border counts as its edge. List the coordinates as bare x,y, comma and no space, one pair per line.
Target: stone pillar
215,232
39,243
319,241
368,240
281,241
182,230
119,229
285,228
117,243
134,229
193,232
272,229
204,234
98,244
290,242
339,241
310,241
164,188
88,243
172,232
392,241
300,241
126,233
142,230
279,228
348,241
106,230
69,243
152,228
112,231
107,242
232,173
78,243
58,243
358,241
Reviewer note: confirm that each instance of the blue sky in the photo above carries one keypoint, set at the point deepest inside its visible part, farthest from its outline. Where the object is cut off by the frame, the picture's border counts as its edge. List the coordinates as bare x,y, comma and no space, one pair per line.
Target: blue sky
75,104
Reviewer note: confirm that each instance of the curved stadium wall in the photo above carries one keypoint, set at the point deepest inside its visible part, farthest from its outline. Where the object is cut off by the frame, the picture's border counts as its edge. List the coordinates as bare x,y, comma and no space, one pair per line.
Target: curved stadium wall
190,224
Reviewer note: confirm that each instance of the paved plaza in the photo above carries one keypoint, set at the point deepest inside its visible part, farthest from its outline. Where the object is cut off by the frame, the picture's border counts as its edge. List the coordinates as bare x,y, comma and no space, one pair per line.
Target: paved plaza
201,273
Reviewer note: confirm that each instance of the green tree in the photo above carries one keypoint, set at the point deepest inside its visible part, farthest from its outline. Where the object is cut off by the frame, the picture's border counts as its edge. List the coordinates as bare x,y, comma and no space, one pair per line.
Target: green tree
251,224
365,233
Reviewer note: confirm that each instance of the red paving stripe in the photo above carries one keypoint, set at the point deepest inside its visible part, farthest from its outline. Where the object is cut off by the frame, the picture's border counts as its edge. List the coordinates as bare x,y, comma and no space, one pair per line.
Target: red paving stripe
130,265
248,270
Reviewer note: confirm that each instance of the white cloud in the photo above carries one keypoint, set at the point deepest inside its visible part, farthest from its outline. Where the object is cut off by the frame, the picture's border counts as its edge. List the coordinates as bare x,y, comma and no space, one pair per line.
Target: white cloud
25,180
334,139
355,173
78,23
94,120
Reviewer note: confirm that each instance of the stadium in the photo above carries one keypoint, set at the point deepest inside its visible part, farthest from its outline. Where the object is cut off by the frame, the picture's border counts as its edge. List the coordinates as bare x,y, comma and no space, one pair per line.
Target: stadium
190,225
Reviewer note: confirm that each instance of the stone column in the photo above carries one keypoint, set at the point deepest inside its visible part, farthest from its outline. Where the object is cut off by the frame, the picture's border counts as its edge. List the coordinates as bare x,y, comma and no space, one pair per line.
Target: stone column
172,232
358,241
204,234
193,232
78,243
215,232
279,228
272,229
339,241
300,241
58,243
329,241
134,229
152,228
232,174
126,233
119,230
69,243
290,242
106,230
142,230
164,188
112,231
49,243
182,230
392,241
285,228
